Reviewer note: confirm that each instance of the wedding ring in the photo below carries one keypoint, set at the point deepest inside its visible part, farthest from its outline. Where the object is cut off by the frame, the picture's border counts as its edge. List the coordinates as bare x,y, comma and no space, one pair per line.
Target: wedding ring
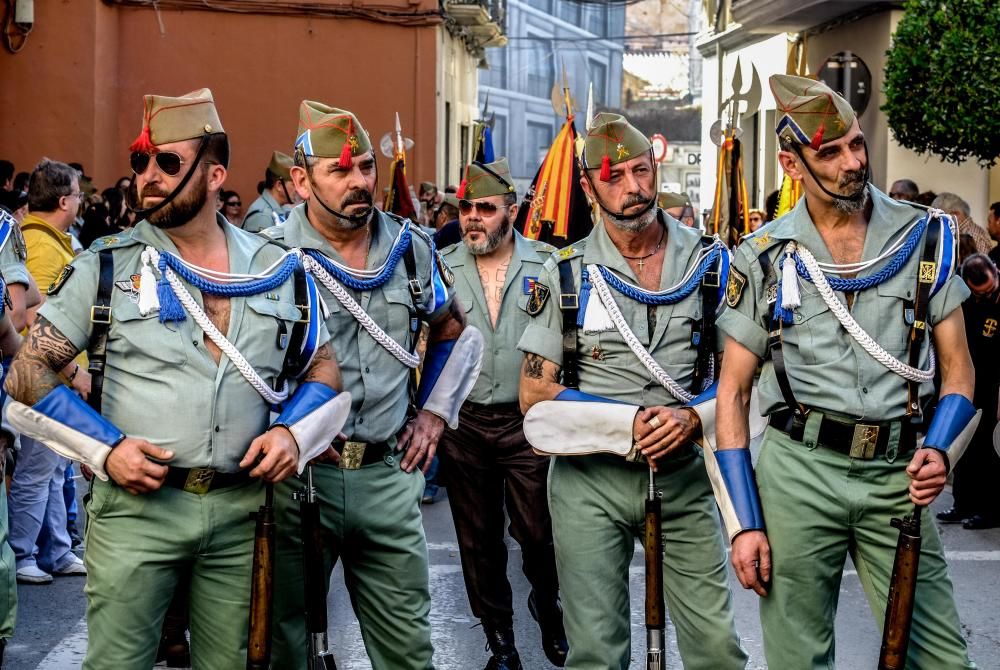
654,423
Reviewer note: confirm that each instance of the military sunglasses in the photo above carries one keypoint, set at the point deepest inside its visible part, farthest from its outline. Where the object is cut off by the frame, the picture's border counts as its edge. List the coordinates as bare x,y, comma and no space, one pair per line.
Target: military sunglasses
483,207
167,161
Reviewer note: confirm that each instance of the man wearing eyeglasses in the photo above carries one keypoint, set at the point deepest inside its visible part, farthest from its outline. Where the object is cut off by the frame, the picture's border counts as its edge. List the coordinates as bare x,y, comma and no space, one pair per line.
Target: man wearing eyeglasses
277,198
181,437
381,278
486,462
36,497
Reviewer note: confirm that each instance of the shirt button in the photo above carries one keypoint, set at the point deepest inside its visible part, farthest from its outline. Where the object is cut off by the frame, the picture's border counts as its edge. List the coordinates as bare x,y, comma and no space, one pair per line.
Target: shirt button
361,419
217,429
864,389
496,385
366,369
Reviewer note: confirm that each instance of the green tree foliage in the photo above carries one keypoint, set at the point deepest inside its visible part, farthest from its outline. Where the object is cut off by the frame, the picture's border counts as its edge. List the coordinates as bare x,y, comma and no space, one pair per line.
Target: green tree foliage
942,79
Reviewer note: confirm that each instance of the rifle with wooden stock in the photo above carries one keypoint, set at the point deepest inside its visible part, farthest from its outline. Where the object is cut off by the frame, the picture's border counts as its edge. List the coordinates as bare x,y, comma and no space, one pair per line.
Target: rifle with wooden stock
902,591
653,548
313,578
262,585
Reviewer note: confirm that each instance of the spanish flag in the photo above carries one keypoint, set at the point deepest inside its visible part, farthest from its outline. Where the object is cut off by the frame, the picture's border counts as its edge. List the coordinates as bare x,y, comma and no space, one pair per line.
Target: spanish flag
555,209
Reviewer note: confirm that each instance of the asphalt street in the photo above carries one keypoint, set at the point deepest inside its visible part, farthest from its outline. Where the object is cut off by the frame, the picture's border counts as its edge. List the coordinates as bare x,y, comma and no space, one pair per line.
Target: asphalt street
51,631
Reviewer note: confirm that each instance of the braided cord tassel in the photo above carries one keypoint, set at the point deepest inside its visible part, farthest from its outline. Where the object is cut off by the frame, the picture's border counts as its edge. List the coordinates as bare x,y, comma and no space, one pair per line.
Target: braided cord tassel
170,306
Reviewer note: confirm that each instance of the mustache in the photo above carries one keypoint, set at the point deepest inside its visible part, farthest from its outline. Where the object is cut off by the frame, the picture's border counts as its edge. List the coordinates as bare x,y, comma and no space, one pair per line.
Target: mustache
149,190
358,197
633,200
474,228
853,177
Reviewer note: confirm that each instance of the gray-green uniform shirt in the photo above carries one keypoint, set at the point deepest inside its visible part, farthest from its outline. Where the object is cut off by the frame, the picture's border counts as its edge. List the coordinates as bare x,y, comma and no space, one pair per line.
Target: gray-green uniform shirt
500,375
161,383
262,213
607,366
12,257
826,367
379,384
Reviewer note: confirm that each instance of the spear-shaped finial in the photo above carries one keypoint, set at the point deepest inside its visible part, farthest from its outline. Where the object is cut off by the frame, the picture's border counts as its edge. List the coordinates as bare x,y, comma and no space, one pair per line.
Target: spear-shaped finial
590,105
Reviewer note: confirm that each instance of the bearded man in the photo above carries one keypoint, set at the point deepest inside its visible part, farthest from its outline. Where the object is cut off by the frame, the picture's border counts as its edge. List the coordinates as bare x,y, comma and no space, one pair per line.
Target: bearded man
625,343
487,460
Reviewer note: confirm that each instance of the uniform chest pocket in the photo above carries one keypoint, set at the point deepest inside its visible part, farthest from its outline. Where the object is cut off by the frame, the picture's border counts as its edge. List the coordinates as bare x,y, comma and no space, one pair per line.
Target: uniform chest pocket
148,344
399,318
890,311
679,351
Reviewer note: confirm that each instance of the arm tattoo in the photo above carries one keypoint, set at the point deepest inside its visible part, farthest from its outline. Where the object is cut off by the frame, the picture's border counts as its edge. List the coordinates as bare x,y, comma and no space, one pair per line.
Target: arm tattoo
533,366
324,369
450,325
34,371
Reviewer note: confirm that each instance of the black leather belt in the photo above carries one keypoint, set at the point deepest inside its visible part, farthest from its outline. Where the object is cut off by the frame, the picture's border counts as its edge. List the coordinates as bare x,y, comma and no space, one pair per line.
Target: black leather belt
856,439
354,455
203,480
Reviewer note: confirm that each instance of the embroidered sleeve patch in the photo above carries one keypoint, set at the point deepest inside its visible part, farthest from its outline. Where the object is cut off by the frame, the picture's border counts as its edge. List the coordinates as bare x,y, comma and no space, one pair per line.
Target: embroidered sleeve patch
734,288
539,294
60,280
446,273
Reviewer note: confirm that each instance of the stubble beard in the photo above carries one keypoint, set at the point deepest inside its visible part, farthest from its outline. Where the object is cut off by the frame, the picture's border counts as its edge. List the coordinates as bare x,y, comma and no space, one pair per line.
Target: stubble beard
493,240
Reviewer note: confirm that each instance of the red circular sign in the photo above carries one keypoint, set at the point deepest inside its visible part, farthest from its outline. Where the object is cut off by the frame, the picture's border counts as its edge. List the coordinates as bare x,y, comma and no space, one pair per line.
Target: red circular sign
659,143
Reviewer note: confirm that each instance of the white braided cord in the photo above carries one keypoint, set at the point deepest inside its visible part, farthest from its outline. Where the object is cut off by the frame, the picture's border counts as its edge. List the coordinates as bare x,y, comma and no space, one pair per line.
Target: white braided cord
231,277
374,272
703,253
228,348
351,305
855,330
655,369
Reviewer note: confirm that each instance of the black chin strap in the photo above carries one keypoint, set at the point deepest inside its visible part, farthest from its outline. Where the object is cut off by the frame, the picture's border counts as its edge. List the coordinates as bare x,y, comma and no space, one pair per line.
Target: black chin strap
148,212
357,218
838,196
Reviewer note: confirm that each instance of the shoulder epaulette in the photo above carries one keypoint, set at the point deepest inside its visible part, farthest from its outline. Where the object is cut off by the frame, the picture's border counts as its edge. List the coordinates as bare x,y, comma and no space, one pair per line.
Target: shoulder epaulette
116,241
273,233
572,251
543,249
450,248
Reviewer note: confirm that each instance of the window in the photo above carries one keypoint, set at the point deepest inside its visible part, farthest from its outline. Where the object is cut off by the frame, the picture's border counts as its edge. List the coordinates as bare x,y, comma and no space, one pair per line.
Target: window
596,20
500,136
539,137
569,11
539,67
496,75
599,77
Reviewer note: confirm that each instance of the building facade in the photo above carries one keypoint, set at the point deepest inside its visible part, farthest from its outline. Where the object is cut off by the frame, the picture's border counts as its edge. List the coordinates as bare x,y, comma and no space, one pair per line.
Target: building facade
766,34
74,91
546,38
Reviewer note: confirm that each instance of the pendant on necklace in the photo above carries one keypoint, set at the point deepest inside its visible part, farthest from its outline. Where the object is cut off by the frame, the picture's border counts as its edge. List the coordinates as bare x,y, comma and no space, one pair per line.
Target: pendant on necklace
641,262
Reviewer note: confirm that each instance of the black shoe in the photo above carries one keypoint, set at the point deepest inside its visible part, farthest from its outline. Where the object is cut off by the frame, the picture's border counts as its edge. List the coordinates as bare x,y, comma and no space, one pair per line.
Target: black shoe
550,621
174,649
979,522
501,643
951,515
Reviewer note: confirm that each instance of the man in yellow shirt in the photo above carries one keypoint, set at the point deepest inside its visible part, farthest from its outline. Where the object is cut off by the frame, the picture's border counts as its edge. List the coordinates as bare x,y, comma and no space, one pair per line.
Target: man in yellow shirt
36,498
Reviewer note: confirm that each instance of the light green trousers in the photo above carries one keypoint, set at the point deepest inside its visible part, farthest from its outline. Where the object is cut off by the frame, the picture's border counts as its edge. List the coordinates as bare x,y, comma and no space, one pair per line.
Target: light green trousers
138,546
8,580
598,510
820,506
372,521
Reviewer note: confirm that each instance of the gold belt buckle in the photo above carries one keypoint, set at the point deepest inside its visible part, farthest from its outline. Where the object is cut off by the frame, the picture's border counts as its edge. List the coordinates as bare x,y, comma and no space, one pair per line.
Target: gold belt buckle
199,480
352,455
864,441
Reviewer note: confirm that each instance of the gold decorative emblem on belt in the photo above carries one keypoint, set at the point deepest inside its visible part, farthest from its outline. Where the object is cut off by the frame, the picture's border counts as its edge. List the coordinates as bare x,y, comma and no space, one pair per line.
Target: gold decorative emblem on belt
864,441
199,480
352,455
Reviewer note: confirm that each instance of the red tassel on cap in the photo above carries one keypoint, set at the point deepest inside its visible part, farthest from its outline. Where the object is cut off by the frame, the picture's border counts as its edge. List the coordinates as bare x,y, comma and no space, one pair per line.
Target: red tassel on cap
461,189
143,143
606,168
817,139
345,156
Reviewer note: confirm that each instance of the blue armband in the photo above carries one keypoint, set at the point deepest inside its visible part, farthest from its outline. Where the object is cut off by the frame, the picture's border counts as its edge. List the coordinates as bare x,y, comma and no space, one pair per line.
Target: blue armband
314,415
731,474
953,427
451,368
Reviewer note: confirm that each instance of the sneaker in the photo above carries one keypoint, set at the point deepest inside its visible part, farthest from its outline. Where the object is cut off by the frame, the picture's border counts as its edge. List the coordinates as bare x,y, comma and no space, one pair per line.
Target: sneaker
73,567
32,574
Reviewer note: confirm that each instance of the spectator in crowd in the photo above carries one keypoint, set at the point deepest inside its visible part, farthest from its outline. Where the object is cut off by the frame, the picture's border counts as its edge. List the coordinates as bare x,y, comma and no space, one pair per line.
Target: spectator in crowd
959,209
6,175
430,201
993,228
976,504
904,189
21,182
446,223
36,493
14,202
123,184
118,214
232,207
925,198
966,247
96,224
756,217
771,206
277,198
